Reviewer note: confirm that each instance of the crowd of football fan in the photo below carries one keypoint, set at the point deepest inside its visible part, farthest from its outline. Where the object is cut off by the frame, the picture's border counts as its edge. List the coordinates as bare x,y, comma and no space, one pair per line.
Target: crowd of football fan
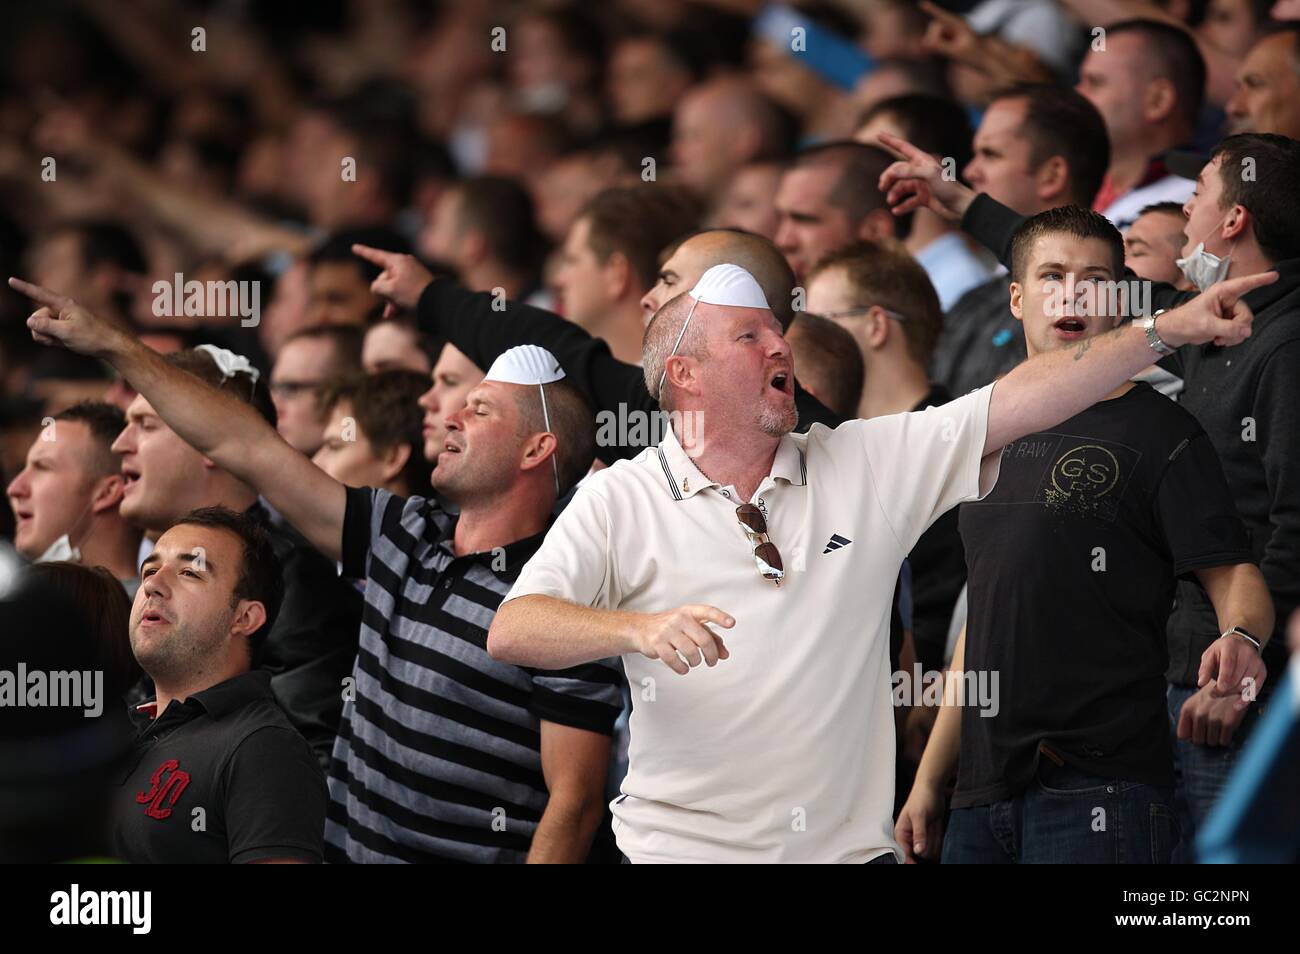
240,187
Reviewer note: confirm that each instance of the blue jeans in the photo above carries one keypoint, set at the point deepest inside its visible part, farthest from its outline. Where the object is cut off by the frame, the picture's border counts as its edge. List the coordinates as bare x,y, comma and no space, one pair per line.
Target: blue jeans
1066,816
1200,771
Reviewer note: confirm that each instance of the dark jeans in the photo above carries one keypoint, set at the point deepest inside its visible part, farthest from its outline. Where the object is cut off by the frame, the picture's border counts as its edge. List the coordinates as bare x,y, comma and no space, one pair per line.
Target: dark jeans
1067,817
1200,771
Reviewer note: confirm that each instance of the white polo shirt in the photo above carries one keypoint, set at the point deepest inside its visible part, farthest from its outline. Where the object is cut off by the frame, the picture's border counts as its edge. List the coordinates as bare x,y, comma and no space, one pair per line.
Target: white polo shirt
785,751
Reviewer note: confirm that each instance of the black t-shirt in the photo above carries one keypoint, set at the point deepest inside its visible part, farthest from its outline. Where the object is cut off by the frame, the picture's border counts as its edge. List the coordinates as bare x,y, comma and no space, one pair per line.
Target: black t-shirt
231,752
1072,564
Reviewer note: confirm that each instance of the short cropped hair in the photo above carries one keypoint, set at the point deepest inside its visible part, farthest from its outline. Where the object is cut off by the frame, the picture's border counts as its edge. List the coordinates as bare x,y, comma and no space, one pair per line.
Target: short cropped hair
572,422
105,422
1072,220
1270,194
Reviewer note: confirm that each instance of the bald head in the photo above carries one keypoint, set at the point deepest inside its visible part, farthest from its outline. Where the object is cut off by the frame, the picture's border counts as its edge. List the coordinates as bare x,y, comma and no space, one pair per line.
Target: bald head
721,125
696,255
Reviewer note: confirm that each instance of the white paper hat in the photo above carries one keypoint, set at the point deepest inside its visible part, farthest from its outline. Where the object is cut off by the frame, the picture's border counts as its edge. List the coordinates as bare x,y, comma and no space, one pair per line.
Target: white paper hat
729,285
724,284
229,363
530,365
525,364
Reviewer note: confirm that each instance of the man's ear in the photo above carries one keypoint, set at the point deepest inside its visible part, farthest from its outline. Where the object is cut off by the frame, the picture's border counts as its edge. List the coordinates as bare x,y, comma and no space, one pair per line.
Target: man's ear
1158,100
1053,178
537,450
618,275
877,226
1017,301
1236,223
106,493
250,615
876,327
682,373
393,461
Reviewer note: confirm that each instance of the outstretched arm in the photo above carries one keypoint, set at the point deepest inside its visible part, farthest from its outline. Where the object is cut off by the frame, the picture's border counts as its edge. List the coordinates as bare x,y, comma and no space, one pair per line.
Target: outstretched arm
1052,387
220,426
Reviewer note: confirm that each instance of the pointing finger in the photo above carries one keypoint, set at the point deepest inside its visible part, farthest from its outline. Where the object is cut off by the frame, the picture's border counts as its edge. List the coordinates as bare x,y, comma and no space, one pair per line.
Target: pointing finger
39,294
376,256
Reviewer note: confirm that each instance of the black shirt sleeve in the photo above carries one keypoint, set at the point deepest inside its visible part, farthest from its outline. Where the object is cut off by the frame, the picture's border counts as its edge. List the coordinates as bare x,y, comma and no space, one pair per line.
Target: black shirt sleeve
1277,421
1196,510
356,531
275,798
470,322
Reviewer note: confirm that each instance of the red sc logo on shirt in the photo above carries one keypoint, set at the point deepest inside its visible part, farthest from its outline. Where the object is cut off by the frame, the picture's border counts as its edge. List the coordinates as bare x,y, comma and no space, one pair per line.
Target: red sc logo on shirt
164,792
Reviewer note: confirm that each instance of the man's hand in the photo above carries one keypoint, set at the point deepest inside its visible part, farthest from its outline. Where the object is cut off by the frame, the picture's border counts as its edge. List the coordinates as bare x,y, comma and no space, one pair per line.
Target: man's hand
948,34
1238,667
919,829
1217,314
918,180
664,635
402,280
61,321
1209,720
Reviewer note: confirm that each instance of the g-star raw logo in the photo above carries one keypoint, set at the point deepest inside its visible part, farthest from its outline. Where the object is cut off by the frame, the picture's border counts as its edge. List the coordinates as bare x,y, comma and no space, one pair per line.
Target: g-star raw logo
165,793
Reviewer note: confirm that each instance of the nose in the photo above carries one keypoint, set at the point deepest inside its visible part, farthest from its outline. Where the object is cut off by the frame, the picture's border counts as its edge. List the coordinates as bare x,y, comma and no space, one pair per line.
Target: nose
785,239
124,443
155,586
971,172
648,304
17,488
1235,107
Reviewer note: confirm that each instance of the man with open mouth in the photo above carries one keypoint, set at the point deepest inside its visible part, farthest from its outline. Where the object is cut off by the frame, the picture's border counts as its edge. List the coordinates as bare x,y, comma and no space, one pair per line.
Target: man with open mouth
1073,561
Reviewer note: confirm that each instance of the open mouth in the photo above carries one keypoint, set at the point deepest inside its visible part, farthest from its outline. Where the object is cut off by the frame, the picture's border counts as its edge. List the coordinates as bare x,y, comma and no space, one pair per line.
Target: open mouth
153,617
451,448
129,476
781,382
1070,327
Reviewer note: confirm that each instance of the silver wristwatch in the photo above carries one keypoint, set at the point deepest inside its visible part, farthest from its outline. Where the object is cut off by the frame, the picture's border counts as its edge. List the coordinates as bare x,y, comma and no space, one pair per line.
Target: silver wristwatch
1148,325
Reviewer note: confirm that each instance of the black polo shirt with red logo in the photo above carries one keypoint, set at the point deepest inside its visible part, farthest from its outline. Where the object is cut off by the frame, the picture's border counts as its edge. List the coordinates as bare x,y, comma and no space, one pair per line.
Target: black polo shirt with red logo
221,777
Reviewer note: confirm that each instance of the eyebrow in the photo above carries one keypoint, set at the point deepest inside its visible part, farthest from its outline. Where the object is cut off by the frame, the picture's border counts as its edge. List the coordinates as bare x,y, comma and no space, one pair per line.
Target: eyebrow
208,565
1062,267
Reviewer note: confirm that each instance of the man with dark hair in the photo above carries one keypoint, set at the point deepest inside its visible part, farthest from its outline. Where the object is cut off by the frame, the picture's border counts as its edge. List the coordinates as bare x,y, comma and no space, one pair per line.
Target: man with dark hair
309,360
373,434
939,126
1237,225
830,366
1037,147
1148,82
606,265
828,197
484,230
1074,558
1267,97
213,740
338,286
65,500
443,753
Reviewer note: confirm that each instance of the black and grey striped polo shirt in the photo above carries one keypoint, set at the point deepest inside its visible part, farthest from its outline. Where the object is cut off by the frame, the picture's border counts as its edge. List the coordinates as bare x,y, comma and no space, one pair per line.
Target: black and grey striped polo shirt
438,753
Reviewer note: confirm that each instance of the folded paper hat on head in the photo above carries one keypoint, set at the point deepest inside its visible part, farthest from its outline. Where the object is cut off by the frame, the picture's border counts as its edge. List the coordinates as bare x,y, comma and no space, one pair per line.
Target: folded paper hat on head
729,285
530,365
525,364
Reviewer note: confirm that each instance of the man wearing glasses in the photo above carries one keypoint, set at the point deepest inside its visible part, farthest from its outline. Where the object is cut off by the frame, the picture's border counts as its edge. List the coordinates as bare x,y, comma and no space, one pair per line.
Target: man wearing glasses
781,746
